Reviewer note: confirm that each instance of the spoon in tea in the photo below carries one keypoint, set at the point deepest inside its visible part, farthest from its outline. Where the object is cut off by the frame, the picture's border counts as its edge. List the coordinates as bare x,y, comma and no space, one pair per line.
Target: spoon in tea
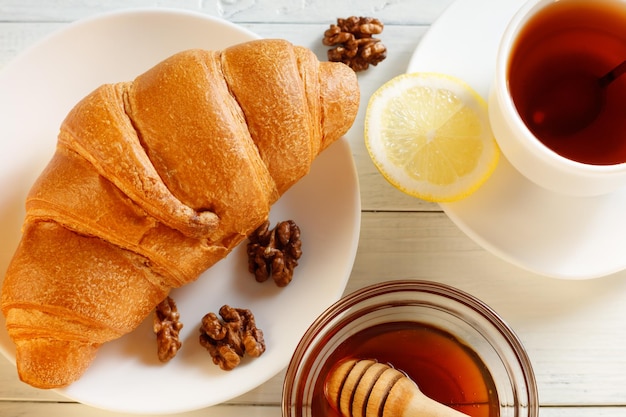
572,103
366,388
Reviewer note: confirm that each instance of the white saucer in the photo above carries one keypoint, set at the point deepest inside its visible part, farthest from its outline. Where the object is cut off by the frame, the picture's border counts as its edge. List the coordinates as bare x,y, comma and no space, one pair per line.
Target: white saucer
36,91
546,233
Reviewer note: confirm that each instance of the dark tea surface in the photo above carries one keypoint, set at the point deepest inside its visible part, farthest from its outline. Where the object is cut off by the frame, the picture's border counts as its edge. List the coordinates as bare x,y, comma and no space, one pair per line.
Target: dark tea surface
444,369
573,40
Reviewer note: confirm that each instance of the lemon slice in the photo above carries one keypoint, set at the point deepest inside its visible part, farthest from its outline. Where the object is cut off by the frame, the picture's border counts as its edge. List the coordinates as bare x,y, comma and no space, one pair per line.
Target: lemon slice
429,136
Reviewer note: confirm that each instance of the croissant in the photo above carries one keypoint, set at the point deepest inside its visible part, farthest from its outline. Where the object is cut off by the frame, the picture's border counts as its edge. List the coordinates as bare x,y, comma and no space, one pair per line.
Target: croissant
155,180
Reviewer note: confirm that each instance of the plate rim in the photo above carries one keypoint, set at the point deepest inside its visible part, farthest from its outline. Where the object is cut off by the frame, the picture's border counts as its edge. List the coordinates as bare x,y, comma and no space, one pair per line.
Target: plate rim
341,146
454,210
116,13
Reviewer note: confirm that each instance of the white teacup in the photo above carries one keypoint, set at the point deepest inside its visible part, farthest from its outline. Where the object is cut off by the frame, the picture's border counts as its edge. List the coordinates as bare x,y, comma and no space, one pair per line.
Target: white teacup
545,42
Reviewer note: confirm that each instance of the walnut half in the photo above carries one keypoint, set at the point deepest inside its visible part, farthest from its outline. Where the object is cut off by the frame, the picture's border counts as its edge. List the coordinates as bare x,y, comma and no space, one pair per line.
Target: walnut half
229,338
274,252
167,326
353,43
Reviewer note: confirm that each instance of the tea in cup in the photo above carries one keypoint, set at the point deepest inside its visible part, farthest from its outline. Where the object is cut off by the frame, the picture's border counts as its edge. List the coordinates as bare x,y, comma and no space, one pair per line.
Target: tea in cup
556,114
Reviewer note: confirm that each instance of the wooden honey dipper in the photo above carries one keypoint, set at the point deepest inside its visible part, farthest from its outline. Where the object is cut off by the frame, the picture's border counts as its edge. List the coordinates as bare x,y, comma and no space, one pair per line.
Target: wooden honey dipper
366,388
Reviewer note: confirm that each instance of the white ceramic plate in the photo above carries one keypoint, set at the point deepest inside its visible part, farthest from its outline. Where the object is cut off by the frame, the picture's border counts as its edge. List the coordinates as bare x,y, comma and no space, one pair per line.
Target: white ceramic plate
547,233
37,90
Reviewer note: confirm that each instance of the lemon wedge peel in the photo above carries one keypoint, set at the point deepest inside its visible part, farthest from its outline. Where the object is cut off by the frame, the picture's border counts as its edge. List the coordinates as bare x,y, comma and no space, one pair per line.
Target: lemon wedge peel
428,134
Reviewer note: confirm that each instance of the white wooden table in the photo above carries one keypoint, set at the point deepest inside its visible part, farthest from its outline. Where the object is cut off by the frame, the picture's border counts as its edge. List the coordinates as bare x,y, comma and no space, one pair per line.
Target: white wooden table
574,331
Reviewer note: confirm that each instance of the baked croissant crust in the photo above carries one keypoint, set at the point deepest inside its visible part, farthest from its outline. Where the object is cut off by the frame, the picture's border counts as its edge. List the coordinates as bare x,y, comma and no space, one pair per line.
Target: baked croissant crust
155,180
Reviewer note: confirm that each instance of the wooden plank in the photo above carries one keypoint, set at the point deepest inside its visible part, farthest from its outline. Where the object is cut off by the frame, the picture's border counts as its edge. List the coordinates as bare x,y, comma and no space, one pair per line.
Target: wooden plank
276,11
79,410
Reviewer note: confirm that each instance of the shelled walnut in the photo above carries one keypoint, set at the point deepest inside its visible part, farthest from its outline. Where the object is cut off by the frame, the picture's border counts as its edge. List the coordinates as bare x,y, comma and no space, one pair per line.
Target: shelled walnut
274,252
229,338
353,42
166,326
